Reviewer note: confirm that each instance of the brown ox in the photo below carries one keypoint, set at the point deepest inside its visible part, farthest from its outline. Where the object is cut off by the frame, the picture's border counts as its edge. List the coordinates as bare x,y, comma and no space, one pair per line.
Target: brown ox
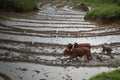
78,52
87,45
82,45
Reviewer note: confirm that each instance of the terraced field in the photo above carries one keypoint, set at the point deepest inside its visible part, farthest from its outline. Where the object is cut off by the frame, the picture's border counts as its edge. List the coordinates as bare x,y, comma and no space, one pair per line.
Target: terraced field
41,37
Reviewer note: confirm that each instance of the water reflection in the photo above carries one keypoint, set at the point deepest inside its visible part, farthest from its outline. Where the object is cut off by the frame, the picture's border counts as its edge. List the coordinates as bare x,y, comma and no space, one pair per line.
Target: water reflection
27,71
92,40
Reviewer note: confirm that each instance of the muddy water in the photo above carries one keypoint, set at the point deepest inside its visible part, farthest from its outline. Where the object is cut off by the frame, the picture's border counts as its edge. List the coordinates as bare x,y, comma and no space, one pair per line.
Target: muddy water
41,37
58,40
26,71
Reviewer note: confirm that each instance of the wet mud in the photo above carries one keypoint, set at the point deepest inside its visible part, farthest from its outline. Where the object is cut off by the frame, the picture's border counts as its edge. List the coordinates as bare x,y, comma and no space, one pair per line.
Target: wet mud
5,77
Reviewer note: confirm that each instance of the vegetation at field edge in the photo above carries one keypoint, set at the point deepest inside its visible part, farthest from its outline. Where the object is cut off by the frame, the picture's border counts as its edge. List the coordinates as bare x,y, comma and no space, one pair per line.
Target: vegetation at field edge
106,13
114,75
18,5
104,10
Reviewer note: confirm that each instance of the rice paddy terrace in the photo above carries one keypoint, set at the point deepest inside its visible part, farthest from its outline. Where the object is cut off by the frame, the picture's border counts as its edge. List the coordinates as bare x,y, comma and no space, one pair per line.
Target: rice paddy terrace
41,37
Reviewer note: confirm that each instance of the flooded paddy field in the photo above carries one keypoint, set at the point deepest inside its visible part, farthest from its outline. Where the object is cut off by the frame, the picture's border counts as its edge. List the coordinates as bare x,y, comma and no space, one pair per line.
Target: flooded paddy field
26,71
32,44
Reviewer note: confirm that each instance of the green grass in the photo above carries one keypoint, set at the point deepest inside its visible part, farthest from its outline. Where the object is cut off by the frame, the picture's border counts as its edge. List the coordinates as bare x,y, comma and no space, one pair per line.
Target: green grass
18,5
114,75
105,10
97,2
106,13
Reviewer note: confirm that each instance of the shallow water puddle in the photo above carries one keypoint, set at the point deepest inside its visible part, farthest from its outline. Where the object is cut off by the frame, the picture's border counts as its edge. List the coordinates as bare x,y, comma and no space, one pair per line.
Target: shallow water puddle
62,15
96,31
25,48
61,12
56,29
53,8
15,23
46,57
92,40
26,71
48,21
2,78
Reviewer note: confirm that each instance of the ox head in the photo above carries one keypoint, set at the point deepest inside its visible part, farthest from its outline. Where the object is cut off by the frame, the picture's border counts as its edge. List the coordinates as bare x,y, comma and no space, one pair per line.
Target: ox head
67,52
69,46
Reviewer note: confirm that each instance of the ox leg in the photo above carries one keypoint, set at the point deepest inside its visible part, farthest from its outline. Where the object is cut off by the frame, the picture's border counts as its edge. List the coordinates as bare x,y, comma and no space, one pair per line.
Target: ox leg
87,58
77,58
102,53
98,57
90,57
72,57
111,56
109,53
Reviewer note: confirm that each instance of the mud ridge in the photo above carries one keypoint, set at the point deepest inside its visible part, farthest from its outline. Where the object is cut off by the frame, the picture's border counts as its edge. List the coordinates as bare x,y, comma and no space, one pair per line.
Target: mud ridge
5,76
65,62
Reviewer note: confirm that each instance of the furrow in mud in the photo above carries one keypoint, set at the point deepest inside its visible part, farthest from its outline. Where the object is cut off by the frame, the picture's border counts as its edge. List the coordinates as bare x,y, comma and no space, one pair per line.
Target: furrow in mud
62,16
4,76
23,48
51,21
11,23
59,62
43,18
61,32
64,34
38,44
54,29
29,43
27,51
59,12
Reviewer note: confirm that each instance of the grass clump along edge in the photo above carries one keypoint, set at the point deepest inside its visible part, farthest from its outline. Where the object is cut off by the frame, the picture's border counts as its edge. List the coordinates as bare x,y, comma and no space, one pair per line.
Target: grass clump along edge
18,5
114,75
104,13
